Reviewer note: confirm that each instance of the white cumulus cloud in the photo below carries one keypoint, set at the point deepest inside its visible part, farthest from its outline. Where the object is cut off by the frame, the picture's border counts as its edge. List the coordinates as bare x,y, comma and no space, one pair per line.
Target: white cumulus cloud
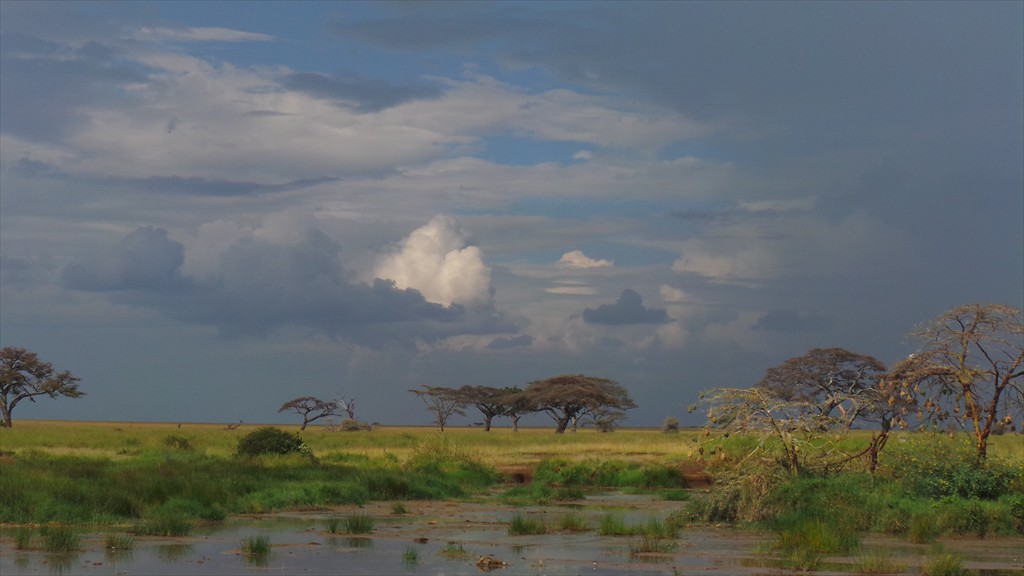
435,260
577,259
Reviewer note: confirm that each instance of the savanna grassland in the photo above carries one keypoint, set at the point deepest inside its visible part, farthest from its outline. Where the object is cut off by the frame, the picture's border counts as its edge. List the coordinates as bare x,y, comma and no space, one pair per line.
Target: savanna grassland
164,479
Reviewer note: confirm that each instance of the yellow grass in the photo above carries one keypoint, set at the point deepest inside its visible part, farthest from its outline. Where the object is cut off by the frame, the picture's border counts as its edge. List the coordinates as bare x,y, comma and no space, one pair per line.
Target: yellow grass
499,446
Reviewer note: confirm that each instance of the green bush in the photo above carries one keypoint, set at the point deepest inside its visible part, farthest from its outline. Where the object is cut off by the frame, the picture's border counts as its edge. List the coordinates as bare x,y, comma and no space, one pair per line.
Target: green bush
271,440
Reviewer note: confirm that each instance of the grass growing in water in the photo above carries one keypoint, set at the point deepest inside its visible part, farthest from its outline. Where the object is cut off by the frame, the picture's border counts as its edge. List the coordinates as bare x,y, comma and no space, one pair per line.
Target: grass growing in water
23,538
358,524
878,563
573,523
59,539
256,545
944,564
453,551
119,542
651,545
410,557
521,526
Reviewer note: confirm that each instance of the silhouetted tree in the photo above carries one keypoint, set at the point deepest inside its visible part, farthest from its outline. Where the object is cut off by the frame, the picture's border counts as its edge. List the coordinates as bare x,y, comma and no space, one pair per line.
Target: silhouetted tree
310,408
567,398
441,402
516,405
24,376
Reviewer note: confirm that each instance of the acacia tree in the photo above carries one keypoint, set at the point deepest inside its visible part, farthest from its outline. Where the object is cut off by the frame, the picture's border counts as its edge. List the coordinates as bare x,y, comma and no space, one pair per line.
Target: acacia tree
516,405
827,381
441,402
24,376
790,422
969,370
488,400
568,398
310,408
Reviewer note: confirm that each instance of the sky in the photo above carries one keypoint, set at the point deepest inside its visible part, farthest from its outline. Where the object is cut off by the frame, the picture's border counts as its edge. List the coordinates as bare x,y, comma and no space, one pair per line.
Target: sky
208,209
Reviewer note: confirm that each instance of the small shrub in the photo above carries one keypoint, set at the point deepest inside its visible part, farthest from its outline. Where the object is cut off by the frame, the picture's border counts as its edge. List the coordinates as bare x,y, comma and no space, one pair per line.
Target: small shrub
923,527
176,442
399,508
358,524
352,425
521,526
670,425
410,557
271,440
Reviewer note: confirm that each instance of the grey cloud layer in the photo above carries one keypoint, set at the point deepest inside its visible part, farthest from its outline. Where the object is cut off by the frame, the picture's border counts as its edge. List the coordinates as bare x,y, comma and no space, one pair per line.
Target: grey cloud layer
260,287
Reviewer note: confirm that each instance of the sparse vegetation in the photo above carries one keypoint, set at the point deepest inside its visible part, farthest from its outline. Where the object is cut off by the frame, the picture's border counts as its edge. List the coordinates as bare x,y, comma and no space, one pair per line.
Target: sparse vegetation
524,525
358,524
453,551
256,545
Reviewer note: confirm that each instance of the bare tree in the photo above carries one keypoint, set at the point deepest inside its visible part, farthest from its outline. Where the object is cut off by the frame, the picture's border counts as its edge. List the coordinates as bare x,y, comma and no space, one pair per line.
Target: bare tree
24,376
441,402
969,370
827,381
310,408
568,398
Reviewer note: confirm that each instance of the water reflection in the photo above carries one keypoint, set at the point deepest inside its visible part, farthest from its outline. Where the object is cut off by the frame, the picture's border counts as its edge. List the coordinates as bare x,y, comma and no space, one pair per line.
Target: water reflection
61,563
173,552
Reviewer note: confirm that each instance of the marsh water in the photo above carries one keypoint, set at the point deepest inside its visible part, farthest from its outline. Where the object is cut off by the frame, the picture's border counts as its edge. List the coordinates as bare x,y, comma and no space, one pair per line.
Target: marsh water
451,538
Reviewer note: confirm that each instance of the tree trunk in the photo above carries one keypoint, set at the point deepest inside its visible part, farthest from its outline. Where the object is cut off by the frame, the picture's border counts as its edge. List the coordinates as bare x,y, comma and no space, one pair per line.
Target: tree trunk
515,423
561,424
487,423
5,411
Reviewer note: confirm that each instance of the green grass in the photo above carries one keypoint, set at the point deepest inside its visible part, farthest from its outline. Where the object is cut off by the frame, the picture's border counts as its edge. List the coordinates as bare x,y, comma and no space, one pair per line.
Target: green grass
23,538
878,563
453,551
59,539
651,545
256,545
522,525
944,564
410,557
572,522
358,524
119,542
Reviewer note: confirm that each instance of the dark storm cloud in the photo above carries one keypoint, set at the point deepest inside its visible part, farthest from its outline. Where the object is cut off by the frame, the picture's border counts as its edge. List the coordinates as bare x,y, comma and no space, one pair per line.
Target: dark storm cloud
628,309
145,259
260,287
790,321
367,94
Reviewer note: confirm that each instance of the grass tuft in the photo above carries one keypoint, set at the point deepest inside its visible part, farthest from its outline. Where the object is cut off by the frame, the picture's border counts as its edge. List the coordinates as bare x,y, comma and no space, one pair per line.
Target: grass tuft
358,524
59,539
522,525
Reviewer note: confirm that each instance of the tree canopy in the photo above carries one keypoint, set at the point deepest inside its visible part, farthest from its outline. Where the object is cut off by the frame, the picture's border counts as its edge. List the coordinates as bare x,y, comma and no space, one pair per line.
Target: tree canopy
568,398
23,375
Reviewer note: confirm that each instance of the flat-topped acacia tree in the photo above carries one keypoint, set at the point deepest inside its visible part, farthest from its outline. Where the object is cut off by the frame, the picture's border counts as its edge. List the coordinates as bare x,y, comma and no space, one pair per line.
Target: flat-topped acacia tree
24,376
568,398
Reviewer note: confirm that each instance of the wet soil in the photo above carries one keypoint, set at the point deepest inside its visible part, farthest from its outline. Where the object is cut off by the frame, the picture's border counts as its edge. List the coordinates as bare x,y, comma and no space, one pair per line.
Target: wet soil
460,538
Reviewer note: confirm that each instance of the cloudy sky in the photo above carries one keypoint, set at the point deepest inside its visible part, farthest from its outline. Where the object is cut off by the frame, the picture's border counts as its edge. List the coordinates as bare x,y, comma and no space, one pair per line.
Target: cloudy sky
209,209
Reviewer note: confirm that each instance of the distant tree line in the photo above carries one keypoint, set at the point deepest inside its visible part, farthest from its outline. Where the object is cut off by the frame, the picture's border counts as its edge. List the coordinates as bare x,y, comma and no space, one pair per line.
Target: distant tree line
570,400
